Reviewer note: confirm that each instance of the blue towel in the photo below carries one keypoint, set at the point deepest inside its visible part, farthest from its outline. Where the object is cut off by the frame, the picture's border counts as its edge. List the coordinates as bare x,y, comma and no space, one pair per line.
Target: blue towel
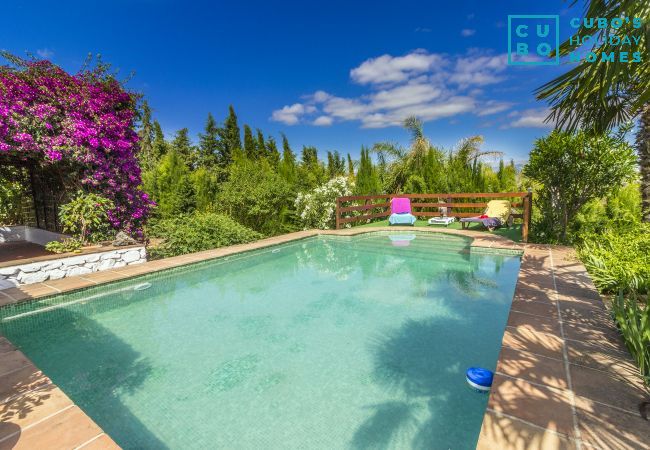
402,219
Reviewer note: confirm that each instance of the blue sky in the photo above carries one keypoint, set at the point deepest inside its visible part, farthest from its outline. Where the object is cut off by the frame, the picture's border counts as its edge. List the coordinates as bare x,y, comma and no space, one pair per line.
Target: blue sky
336,74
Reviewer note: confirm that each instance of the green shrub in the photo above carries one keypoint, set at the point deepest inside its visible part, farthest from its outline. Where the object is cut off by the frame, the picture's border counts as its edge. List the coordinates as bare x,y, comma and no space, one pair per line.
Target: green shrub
196,232
634,323
618,259
86,217
257,197
66,246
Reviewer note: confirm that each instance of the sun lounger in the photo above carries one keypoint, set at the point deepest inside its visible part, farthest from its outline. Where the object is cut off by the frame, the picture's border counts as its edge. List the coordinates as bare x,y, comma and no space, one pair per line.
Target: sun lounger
496,214
400,209
441,221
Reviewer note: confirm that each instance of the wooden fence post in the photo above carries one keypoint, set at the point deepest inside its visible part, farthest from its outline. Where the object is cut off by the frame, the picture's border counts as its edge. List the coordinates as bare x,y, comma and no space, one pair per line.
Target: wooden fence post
338,213
528,207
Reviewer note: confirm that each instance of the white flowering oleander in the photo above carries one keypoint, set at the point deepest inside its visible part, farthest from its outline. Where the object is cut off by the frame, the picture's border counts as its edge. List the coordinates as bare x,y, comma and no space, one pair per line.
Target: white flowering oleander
316,209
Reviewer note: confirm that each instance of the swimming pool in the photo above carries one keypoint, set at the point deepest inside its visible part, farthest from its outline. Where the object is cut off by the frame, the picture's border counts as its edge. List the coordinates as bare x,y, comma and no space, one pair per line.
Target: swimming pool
327,342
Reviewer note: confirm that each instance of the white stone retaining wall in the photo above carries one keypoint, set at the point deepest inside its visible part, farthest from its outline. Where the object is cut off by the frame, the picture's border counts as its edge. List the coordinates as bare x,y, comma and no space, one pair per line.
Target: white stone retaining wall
54,269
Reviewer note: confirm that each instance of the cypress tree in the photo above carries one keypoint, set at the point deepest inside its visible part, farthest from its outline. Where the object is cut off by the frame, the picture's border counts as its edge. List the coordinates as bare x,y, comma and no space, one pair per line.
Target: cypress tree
183,147
350,167
272,152
309,157
230,138
288,164
159,144
261,145
367,179
312,172
209,144
146,154
335,164
250,146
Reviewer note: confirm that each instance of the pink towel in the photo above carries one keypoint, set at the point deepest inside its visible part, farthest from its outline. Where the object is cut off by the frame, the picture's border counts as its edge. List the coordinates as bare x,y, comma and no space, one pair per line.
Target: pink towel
399,205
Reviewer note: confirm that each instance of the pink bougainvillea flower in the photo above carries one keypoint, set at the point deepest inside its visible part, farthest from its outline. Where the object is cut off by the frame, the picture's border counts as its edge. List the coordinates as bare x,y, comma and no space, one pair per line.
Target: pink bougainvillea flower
87,118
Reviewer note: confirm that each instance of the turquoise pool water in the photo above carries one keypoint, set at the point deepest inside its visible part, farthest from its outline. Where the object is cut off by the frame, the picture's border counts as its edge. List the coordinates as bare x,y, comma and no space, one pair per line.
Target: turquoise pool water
323,343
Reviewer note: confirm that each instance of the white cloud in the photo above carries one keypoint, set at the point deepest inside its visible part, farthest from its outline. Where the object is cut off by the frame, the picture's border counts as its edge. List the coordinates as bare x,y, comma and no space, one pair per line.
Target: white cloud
320,96
45,53
493,107
467,32
290,115
477,69
409,94
394,69
430,86
345,108
530,118
323,121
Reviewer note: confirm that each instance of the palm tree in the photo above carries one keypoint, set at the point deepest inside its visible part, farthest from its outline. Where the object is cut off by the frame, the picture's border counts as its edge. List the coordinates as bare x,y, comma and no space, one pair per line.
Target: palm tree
398,163
599,96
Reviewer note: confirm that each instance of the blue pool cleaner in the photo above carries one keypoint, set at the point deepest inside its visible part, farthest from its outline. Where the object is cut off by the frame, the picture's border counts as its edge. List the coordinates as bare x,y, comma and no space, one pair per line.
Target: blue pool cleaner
479,378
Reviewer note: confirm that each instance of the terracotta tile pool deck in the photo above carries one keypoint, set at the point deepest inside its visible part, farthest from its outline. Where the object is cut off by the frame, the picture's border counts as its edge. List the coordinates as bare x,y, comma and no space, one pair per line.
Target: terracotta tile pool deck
564,378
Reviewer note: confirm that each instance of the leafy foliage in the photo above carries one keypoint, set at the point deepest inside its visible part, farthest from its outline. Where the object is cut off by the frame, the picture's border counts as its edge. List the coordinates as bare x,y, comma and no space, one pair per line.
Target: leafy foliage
256,196
573,169
619,259
86,216
65,246
633,320
602,95
196,232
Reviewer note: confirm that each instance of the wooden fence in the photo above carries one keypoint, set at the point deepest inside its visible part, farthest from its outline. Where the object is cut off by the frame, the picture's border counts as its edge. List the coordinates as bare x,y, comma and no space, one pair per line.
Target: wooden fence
428,205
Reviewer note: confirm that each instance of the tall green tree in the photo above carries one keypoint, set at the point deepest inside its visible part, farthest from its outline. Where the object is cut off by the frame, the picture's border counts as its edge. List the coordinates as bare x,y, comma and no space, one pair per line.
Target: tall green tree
159,144
367,180
146,154
350,167
507,176
183,147
311,172
600,95
335,164
272,153
208,152
260,148
250,145
230,140
288,163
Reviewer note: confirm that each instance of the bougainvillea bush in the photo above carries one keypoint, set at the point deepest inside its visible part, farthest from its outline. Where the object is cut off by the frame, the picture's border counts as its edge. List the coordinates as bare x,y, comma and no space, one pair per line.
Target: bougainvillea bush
85,120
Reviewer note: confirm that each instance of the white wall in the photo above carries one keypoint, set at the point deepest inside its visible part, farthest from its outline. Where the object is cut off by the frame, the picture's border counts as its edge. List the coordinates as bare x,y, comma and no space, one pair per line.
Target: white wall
54,269
29,234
